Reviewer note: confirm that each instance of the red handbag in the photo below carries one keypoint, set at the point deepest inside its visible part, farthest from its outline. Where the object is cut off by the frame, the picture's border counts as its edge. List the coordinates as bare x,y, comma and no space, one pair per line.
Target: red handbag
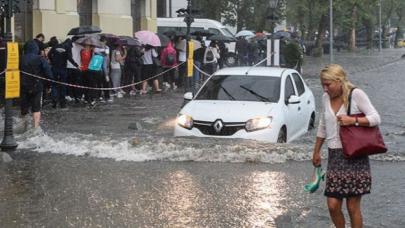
360,141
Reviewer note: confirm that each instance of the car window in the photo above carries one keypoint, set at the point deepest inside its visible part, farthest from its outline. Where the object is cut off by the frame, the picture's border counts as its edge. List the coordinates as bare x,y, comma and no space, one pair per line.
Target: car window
299,84
193,29
241,88
163,29
289,88
227,32
214,31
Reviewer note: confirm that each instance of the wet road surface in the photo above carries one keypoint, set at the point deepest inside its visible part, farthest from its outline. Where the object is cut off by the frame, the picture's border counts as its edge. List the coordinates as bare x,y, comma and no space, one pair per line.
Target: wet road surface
117,165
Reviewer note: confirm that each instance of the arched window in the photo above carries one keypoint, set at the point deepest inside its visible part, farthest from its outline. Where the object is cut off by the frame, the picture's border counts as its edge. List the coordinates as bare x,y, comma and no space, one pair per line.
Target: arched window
85,10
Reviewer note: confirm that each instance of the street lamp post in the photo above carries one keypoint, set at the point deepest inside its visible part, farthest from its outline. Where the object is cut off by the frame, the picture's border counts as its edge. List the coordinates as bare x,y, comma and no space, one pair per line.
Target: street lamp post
330,31
8,143
273,6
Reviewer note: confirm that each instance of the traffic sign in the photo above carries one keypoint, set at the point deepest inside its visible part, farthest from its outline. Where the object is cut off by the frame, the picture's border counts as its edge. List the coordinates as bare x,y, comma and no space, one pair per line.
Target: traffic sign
12,84
12,56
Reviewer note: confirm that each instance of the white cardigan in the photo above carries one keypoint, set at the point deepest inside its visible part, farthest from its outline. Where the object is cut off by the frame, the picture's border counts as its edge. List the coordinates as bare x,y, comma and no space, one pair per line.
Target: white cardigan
328,126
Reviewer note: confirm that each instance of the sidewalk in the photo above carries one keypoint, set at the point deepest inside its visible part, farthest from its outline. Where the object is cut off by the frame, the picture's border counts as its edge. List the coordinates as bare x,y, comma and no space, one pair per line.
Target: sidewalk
358,61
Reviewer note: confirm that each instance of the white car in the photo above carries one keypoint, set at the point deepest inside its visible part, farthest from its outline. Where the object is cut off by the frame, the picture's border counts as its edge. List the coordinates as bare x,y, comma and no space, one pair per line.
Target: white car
261,103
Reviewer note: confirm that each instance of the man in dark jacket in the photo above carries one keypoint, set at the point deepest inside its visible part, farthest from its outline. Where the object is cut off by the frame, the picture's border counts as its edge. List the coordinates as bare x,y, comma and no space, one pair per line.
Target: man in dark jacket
31,87
242,50
40,41
58,56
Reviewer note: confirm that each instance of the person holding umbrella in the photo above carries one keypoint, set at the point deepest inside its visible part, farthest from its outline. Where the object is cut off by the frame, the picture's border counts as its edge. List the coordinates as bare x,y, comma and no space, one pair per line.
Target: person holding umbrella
211,57
149,69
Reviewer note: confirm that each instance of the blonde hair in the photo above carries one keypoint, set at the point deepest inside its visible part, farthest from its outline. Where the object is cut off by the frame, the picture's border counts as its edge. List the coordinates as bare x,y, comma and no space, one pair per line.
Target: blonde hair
335,72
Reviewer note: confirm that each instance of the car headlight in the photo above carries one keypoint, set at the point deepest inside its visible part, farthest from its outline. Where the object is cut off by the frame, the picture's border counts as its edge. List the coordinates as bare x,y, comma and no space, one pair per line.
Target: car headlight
258,123
185,121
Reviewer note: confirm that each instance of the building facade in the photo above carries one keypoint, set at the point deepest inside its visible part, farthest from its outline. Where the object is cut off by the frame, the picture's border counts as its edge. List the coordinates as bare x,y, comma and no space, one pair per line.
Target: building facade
57,17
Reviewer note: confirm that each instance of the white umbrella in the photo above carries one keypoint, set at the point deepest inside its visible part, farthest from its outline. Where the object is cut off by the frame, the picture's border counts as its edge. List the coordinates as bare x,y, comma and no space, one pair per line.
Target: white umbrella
244,33
181,45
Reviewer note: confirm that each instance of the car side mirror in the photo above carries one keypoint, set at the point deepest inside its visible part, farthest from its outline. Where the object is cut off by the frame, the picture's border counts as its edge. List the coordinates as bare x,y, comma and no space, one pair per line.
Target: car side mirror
294,100
188,96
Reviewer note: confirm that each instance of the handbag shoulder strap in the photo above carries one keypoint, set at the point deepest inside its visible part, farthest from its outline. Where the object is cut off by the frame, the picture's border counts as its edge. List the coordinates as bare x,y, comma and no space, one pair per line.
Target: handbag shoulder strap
350,101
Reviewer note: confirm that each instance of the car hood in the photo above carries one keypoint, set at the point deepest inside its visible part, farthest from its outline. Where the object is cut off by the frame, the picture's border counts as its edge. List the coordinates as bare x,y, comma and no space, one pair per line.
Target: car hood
227,111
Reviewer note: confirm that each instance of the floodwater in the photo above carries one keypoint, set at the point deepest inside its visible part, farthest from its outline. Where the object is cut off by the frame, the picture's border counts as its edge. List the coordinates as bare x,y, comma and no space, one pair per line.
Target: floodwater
117,165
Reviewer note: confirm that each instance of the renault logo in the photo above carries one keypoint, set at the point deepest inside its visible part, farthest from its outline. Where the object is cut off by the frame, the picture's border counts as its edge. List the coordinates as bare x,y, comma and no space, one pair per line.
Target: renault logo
218,125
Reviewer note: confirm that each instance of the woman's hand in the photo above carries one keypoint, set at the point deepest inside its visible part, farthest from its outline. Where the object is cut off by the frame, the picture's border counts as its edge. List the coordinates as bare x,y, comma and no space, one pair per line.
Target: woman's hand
316,159
344,120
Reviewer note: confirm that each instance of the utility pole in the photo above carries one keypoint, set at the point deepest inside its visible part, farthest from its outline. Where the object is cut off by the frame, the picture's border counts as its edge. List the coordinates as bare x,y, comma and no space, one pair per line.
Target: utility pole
8,143
379,26
331,31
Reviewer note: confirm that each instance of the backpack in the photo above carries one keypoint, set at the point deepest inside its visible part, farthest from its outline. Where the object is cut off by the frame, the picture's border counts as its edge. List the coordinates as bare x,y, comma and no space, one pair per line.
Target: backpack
170,57
96,62
209,55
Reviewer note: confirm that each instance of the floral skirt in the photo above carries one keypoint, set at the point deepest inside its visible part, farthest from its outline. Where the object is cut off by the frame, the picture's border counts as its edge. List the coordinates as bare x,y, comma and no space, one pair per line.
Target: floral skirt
347,177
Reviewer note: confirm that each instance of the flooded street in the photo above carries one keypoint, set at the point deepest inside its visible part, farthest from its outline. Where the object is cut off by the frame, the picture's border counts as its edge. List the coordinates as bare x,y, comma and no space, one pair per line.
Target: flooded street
117,165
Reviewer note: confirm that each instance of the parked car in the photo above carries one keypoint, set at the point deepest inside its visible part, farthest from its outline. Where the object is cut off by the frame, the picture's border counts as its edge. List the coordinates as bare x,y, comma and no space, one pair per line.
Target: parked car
262,103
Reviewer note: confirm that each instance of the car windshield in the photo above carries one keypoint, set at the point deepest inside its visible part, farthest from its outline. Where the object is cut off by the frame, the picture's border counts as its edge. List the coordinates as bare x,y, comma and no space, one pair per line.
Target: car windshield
241,88
227,32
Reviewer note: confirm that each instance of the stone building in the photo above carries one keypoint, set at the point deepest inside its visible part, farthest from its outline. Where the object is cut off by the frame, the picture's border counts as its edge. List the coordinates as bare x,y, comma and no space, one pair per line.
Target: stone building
57,17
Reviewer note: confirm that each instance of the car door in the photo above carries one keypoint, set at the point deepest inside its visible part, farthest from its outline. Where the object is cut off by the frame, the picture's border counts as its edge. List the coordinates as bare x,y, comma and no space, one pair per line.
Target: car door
305,102
292,114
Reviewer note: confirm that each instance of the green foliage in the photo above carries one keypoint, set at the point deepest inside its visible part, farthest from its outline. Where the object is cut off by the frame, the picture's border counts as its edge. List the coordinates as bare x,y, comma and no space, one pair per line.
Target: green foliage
292,54
243,14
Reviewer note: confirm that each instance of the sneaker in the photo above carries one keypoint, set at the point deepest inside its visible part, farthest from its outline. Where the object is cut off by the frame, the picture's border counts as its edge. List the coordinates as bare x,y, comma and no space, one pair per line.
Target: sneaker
114,94
110,100
132,93
143,92
68,98
119,95
174,87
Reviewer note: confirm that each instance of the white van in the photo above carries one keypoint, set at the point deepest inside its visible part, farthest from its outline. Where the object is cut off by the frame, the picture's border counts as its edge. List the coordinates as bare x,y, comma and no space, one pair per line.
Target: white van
178,24
215,27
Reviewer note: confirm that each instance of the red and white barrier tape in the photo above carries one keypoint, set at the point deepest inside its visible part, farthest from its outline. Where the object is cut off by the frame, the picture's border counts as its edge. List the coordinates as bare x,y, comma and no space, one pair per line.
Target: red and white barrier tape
2,72
103,89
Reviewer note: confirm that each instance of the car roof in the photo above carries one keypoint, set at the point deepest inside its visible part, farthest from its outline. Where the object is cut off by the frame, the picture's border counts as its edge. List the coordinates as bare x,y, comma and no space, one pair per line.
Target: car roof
252,71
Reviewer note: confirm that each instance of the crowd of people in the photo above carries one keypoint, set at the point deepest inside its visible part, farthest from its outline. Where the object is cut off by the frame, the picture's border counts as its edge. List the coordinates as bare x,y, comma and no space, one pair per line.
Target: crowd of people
90,74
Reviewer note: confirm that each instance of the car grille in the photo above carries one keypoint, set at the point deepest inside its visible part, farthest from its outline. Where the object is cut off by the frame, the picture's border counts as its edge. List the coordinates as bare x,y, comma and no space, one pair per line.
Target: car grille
207,128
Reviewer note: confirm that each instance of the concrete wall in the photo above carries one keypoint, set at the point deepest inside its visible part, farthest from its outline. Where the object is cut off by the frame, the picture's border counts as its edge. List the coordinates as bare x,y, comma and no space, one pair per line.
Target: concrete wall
113,16
148,19
54,17
57,17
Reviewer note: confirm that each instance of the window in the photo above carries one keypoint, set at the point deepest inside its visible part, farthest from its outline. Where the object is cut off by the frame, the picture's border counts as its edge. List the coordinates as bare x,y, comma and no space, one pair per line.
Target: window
214,31
299,84
289,88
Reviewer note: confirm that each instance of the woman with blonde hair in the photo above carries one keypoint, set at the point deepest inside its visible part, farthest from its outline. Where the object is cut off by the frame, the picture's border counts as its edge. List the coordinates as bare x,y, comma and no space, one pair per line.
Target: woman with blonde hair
345,178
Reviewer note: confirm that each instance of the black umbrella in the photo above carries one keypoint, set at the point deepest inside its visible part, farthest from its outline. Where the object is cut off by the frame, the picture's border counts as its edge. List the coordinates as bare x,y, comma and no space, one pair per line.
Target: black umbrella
221,38
164,40
281,35
202,33
129,41
85,29
174,33
111,38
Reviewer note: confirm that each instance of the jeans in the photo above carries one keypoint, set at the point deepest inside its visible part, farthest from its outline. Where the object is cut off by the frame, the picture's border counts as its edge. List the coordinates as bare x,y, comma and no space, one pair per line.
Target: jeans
58,92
